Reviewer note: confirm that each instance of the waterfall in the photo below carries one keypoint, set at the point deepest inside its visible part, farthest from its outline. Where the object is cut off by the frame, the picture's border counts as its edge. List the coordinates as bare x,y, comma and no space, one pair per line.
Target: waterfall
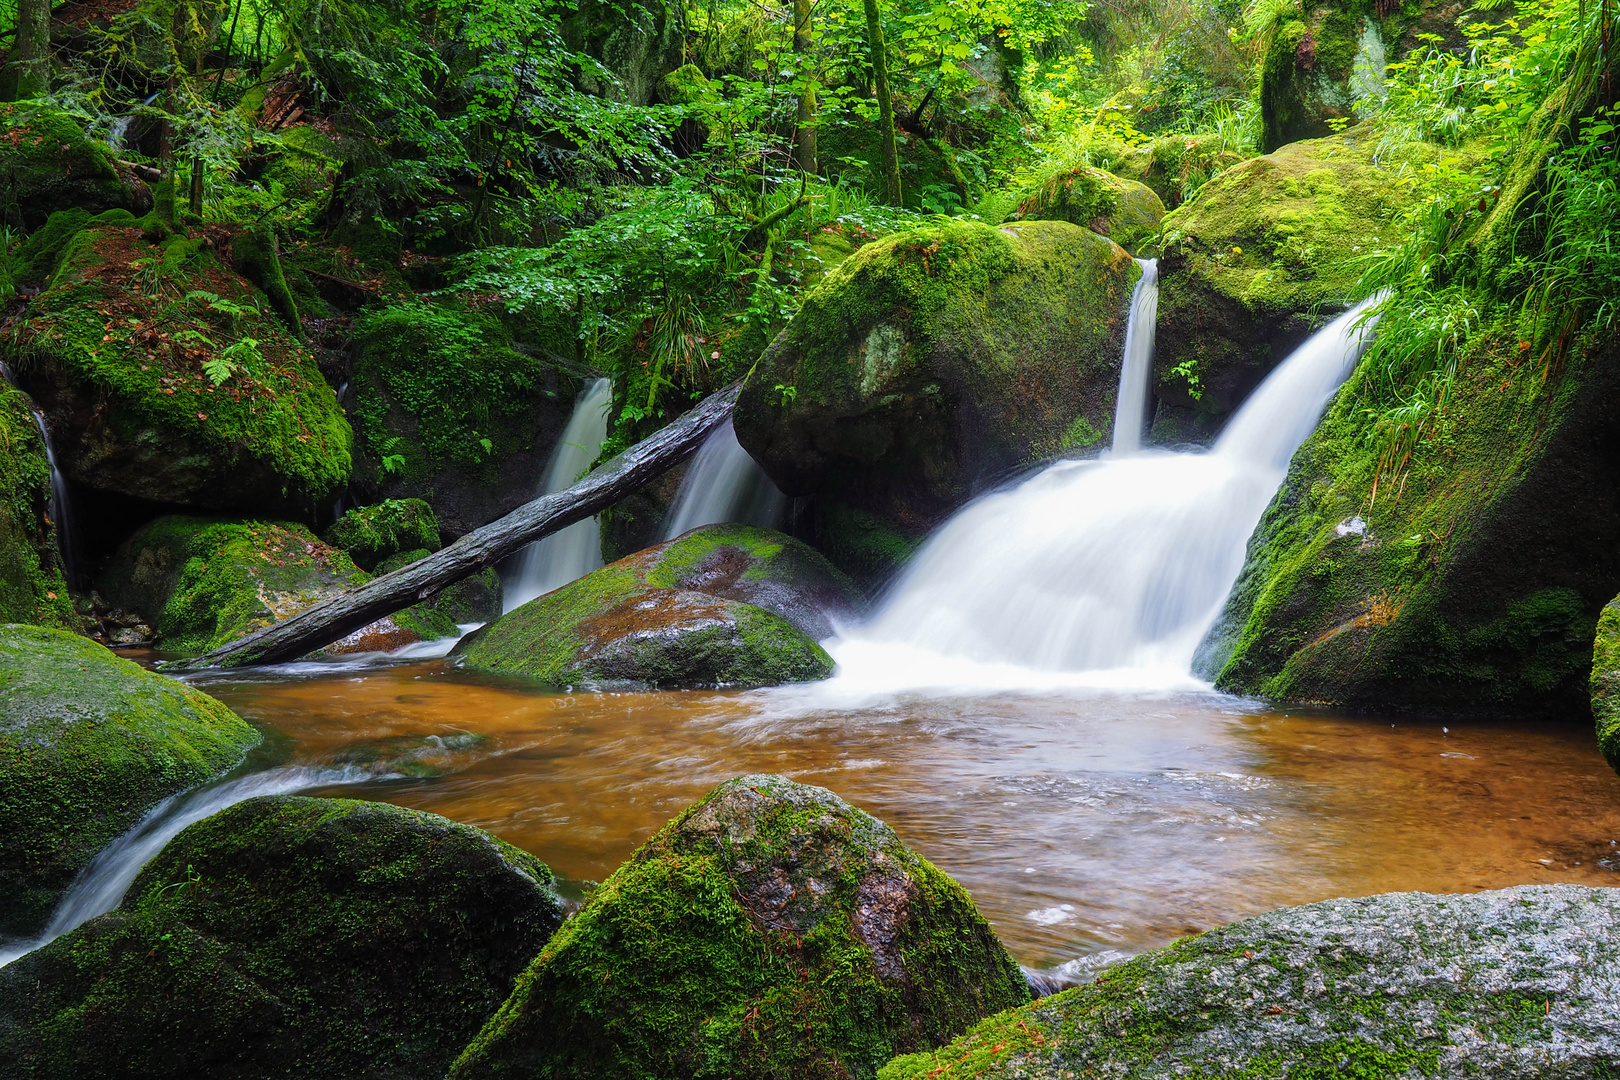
119,132
61,509
1104,572
577,550
1130,408
723,484
101,885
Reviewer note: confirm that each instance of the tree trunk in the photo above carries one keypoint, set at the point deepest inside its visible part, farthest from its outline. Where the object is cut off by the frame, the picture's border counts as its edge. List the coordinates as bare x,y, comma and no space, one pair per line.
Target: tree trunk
804,136
880,78
330,620
27,73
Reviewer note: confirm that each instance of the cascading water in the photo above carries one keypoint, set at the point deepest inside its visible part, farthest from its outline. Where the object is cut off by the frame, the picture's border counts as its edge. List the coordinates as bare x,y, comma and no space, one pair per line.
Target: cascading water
102,884
577,550
723,484
61,509
1102,573
1130,406
118,134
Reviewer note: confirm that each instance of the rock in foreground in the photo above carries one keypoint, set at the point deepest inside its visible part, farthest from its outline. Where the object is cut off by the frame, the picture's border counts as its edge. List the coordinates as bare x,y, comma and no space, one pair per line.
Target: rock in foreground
88,744
1517,983
772,930
721,605
286,937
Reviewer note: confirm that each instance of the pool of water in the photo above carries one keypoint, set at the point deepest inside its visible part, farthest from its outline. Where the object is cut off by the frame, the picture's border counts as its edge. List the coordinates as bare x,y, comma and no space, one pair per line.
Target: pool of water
1085,823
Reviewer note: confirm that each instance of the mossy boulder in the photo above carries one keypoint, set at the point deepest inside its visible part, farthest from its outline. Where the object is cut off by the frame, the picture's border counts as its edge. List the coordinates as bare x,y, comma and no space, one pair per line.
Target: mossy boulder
1264,254
1606,682
447,411
475,599
32,586
1319,65
115,352
1511,983
88,744
721,605
287,936
371,534
772,930
929,366
639,46
48,163
201,582
1474,579
1126,211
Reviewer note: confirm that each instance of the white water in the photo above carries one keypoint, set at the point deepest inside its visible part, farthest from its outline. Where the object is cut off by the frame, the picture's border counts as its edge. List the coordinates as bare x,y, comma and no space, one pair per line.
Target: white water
102,884
723,484
60,508
119,132
577,550
1130,407
1102,574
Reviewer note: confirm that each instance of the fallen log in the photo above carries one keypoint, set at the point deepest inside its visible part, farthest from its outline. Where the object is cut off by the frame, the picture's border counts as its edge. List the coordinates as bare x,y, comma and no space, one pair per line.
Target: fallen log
330,620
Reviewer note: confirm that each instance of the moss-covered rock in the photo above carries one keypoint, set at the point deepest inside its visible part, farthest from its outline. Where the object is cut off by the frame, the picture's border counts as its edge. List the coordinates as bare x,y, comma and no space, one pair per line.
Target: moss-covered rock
88,744
32,586
1126,211
287,937
1475,578
448,412
639,45
1318,67
475,599
771,930
372,534
721,605
1606,682
932,363
1262,255
115,351
48,163
1518,982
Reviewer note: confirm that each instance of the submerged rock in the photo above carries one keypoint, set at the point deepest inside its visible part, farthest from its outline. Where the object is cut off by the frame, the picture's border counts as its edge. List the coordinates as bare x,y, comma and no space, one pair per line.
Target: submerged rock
721,605
32,586
771,930
1515,983
1128,212
50,164
88,744
930,365
1606,682
287,936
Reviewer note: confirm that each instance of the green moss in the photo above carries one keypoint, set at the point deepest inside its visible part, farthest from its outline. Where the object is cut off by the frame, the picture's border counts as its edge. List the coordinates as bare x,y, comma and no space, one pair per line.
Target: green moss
475,599
50,165
37,258
870,549
1605,683
254,255
373,533
769,931
288,937
32,586
88,744
304,165
122,329
1126,211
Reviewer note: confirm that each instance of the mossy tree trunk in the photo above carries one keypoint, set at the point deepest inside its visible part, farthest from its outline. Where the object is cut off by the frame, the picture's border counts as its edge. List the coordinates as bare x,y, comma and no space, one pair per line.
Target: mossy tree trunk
804,137
880,83
27,73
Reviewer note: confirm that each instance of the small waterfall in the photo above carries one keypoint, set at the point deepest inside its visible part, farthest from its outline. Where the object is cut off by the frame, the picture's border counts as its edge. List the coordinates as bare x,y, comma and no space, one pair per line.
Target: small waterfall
1130,408
118,134
101,885
61,509
724,484
1117,566
577,550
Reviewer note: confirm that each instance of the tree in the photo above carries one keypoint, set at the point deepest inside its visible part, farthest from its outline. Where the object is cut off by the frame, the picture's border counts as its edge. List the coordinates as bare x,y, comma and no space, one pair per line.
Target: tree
880,83
804,136
27,73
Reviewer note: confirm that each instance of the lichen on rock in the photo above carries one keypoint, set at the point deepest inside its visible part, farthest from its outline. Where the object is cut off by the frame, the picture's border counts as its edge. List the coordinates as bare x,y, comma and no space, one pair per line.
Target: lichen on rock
287,936
771,930
88,744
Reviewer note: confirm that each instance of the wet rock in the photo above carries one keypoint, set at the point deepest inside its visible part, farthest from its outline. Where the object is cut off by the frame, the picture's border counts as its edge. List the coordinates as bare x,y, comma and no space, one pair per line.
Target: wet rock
32,586
1128,212
1319,66
50,164
119,349
474,599
372,534
1519,982
88,744
929,366
1605,682
769,931
721,605
287,936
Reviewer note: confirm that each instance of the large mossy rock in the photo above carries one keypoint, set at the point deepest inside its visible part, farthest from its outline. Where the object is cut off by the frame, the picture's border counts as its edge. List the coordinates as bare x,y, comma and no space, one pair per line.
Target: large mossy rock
114,352
372,534
48,163
286,936
1515,983
725,605
1263,254
88,744
1321,62
1475,578
639,44
1128,212
447,411
473,599
1605,682
32,586
929,366
770,931
200,582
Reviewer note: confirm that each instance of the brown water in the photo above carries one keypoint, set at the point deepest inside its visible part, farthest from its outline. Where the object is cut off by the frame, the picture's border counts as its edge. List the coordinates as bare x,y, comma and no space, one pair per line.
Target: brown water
1083,826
